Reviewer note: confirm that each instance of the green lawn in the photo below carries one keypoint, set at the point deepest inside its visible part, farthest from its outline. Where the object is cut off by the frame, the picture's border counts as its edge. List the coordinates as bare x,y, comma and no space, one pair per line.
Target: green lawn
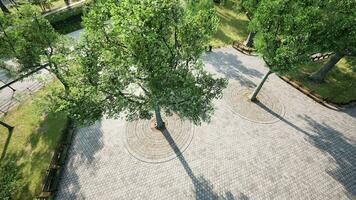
233,26
340,83
32,142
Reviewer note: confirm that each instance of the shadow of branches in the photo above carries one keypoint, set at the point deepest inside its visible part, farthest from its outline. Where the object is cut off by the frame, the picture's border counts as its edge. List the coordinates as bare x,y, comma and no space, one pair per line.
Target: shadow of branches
203,189
335,144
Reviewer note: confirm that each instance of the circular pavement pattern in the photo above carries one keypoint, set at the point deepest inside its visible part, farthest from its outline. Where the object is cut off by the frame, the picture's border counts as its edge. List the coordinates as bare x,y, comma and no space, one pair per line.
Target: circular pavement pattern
146,143
268,109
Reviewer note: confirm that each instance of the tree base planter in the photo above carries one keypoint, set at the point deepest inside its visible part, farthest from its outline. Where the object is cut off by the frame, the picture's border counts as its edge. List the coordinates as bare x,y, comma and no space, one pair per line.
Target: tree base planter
148,144
265,109
154,125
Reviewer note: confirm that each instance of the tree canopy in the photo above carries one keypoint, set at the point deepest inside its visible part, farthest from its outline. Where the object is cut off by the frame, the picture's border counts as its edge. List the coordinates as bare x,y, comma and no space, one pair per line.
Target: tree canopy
136,56
289,32
29,39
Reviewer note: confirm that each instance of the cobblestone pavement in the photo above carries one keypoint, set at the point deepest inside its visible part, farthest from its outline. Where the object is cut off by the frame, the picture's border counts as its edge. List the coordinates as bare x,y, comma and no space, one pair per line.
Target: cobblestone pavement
308,153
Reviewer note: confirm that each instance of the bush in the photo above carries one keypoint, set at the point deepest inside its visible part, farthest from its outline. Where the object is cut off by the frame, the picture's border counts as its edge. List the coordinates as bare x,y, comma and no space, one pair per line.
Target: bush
9,179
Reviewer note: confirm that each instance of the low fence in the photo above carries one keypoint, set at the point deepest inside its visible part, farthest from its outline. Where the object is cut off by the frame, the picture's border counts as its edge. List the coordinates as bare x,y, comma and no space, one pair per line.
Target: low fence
251,51
53,173
243,49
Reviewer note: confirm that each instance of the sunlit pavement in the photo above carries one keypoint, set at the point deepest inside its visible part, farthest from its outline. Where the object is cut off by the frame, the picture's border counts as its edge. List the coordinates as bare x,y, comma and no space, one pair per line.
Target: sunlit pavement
296,150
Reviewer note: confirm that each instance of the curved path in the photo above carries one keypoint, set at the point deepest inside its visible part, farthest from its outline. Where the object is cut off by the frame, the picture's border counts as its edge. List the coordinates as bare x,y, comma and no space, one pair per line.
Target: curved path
308,153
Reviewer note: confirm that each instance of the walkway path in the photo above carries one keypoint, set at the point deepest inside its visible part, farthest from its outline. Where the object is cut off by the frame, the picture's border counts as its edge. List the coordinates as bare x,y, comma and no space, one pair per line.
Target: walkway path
306,152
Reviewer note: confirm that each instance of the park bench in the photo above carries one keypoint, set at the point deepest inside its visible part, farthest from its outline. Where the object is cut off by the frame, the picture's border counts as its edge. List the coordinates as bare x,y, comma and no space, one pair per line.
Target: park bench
242,48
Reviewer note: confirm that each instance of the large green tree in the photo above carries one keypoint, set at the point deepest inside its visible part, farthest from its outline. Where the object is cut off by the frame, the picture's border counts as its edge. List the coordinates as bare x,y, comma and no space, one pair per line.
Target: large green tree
289,32
139,56
28,38
281,40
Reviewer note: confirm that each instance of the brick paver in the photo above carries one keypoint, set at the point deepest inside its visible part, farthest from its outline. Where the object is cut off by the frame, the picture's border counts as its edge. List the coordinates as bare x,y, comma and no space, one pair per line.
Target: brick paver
308,153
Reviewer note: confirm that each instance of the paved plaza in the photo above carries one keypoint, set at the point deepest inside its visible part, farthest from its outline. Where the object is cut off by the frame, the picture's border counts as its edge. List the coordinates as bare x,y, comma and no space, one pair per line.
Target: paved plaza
285,147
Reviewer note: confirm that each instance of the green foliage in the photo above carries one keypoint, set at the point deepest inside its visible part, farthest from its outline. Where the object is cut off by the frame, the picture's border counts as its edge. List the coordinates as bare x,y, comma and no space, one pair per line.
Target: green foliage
9,179
43,4
196,5
248,7
289,32
29,38
148,54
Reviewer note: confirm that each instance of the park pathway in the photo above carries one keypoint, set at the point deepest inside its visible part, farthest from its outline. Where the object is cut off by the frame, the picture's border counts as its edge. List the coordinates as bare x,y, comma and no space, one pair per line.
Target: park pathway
288,148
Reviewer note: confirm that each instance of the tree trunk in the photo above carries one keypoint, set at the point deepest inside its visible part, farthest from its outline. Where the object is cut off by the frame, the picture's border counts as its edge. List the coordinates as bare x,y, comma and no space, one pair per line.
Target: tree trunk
3,7
10,128
320,75
249,40
159,121
258,88
55,70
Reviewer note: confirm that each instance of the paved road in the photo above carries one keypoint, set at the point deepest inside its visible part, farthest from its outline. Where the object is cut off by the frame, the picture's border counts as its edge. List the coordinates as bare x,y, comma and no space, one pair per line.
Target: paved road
309,152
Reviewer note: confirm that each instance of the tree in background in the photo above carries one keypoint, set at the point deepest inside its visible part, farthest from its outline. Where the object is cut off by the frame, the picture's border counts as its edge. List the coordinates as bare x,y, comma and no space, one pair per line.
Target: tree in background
248,7
289,32
28,38
146,59
335,32
280,39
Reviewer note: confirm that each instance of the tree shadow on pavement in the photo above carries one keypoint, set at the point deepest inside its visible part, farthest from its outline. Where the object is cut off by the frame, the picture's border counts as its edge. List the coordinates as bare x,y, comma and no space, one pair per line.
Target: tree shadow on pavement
335,144
203,189
340,148
351,111
87,142
232,68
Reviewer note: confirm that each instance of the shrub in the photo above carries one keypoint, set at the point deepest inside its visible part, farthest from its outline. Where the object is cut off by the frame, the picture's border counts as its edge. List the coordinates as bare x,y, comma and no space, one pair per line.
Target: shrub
9,179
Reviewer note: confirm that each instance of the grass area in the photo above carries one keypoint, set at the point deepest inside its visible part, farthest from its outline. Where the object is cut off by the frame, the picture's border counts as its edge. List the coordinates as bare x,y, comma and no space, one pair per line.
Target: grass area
233,25
340,83
31,144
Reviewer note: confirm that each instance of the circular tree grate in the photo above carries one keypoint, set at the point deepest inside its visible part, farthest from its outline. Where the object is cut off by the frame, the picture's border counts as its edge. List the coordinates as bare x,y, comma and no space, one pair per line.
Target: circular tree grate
267,108
148,144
